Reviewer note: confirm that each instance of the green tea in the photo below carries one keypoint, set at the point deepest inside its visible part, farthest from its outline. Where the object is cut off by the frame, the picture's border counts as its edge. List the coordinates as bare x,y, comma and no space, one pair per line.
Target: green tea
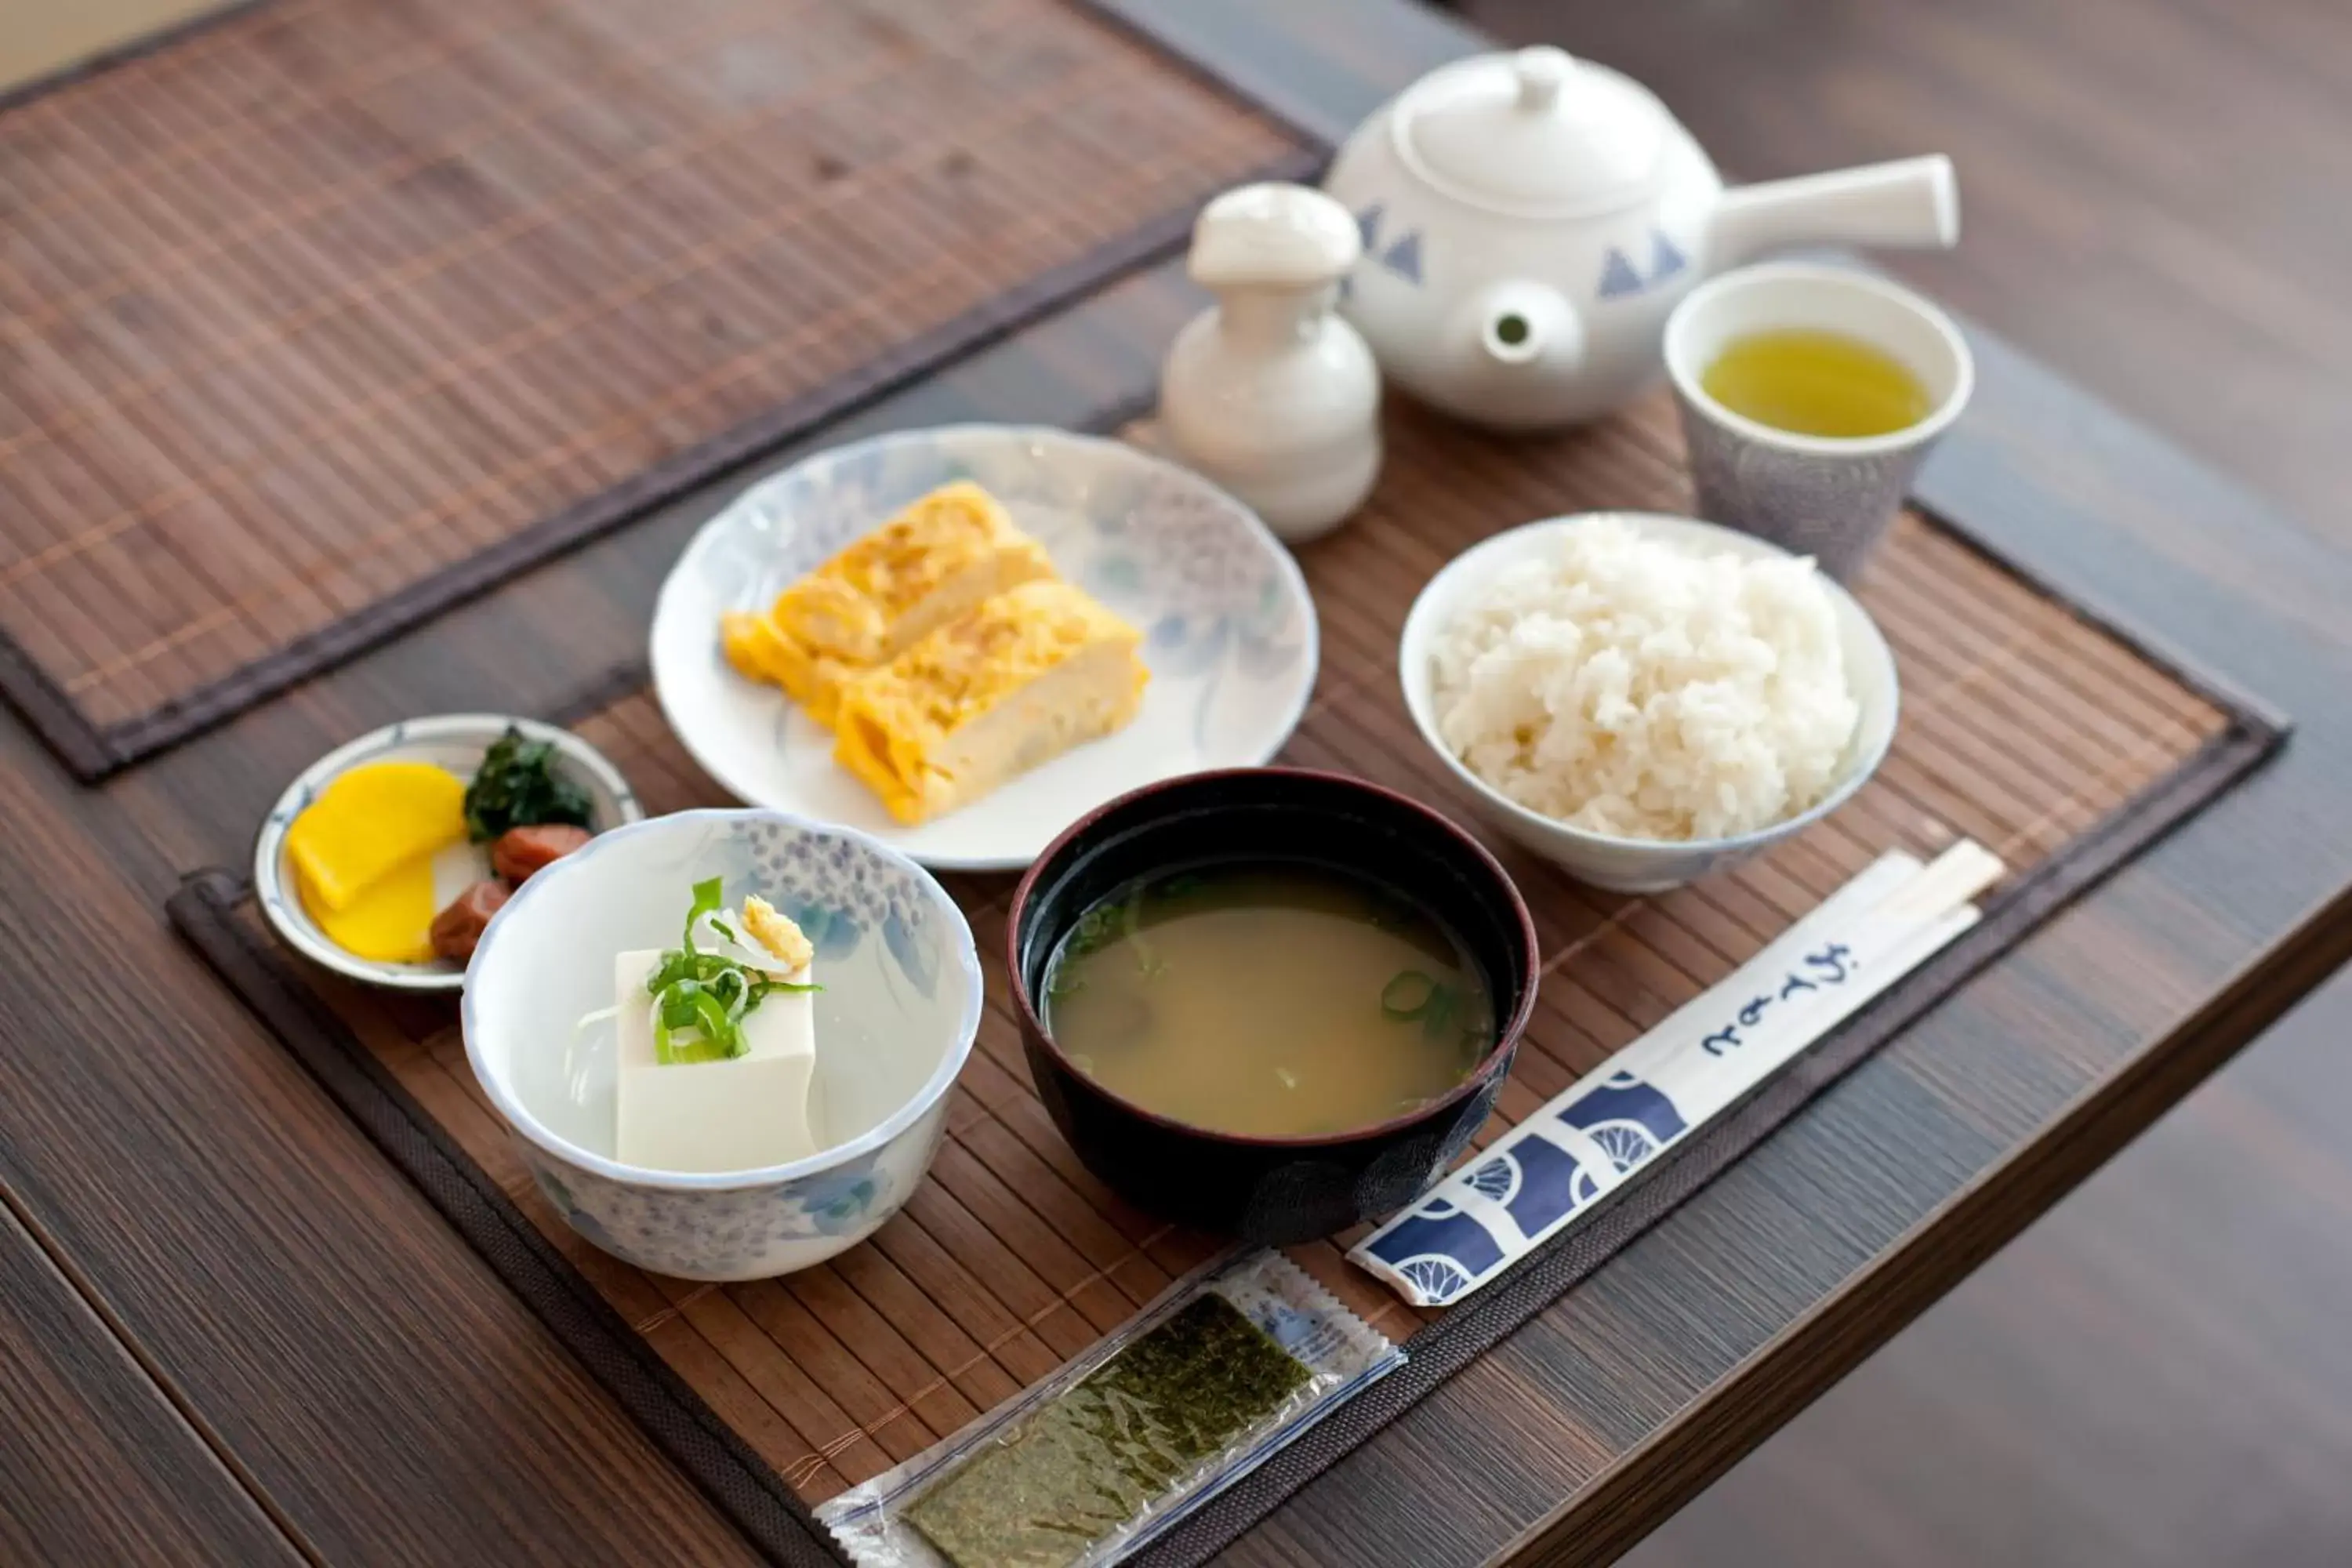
1812,382
1270,1000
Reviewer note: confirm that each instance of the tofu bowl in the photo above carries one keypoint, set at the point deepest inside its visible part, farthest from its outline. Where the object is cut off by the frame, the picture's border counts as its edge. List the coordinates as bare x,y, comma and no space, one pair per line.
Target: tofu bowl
897,1004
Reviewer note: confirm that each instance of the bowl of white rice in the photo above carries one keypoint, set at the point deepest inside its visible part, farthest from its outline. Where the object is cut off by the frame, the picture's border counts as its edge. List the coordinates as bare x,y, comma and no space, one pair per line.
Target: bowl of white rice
1647,699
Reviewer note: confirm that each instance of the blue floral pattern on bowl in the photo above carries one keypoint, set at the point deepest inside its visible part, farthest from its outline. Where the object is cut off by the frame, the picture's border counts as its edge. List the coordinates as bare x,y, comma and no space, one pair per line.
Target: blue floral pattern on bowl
896,1019
1229,626
749,1233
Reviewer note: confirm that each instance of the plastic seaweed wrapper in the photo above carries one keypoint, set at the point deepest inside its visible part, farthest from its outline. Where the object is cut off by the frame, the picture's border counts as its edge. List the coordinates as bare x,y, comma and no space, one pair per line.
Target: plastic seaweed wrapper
1227,1365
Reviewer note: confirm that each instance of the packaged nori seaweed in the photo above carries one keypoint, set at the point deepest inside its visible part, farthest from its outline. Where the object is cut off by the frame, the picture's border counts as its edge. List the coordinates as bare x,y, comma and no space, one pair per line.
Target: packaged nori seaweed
1090,1460
1225,1367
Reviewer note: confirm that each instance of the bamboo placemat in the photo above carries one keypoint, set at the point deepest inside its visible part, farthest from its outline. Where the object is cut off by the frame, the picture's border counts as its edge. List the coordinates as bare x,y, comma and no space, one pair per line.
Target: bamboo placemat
2026,725
329,313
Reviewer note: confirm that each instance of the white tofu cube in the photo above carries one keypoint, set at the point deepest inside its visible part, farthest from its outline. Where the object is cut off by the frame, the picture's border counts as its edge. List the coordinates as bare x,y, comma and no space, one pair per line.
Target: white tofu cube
739,1114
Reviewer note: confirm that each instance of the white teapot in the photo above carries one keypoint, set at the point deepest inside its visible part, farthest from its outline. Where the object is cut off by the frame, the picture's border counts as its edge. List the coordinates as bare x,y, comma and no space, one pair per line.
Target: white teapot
1530,220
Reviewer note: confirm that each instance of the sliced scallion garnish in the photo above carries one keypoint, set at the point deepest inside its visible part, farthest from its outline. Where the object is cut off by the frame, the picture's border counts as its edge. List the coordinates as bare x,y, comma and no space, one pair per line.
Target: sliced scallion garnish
701,999
1409,995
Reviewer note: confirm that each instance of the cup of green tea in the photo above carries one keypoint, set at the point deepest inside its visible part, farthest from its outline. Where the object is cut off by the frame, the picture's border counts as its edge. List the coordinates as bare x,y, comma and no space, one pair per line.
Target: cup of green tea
1808,395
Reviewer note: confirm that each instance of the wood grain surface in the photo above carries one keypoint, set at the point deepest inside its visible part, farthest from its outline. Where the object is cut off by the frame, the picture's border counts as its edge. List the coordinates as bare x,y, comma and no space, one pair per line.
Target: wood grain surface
102,1467
222,1211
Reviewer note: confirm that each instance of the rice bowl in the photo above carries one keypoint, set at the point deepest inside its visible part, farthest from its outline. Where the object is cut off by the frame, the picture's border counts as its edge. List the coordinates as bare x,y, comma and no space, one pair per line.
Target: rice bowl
1633,687
1646,699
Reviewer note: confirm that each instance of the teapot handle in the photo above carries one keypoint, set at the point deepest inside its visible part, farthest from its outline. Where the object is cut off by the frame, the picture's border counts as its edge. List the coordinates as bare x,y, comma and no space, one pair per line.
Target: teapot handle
1910,203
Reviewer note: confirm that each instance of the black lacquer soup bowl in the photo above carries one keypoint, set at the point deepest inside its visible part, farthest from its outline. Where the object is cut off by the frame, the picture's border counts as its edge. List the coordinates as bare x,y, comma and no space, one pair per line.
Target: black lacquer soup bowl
1271,1189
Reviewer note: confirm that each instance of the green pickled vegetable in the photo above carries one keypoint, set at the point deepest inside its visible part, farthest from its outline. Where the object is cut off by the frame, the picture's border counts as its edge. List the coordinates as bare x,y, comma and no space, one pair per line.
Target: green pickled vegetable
518,787
1092,1458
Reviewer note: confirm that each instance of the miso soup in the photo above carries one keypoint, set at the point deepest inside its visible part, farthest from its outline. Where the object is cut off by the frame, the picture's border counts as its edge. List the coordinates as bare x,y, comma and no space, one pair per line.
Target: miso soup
1269,1000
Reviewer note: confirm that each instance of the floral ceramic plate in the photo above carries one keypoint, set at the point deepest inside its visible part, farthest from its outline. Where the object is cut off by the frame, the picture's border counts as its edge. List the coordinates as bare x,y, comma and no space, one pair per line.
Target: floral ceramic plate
1229,628
453,741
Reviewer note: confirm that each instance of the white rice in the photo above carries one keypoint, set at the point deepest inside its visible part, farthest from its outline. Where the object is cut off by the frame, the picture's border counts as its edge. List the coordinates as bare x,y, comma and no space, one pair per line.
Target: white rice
1632,686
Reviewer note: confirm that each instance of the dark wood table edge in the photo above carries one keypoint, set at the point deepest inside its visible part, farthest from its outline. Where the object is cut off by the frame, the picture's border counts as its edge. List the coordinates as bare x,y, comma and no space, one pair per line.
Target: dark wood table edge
1674,1463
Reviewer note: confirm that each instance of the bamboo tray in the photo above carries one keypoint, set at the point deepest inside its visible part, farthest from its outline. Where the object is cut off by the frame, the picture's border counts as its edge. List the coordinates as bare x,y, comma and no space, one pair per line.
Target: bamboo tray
326,314
2026,725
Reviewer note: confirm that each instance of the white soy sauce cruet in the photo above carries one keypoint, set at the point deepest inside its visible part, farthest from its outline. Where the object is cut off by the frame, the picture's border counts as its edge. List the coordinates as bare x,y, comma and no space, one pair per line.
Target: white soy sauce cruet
1269,392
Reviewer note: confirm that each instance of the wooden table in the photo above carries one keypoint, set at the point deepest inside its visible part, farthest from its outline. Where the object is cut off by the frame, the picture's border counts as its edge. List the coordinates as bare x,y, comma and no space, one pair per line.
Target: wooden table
237,1334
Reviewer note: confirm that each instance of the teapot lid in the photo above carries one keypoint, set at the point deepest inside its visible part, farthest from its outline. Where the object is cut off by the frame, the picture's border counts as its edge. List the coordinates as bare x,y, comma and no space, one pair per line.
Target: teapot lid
1534,133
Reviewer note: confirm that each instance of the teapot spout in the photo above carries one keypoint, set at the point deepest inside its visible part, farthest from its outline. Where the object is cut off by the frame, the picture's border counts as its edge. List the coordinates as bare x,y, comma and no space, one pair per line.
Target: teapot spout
1525,328
1912,202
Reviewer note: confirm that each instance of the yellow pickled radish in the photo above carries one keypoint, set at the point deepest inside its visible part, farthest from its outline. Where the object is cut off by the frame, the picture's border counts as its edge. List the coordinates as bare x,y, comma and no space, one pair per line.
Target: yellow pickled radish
371,822
391,921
